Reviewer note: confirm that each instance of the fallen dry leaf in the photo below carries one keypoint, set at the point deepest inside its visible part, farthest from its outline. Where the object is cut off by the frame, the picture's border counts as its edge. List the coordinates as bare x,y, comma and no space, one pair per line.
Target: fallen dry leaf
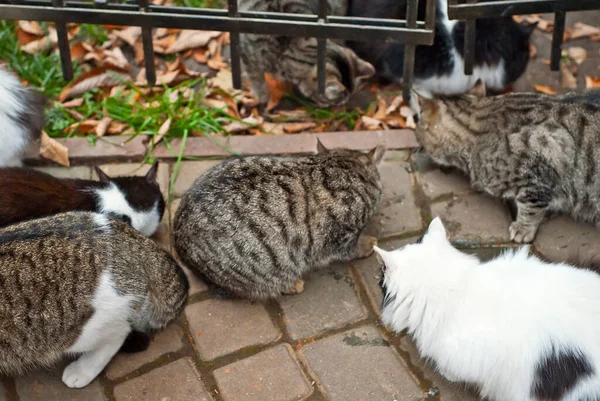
190,39
273,128
72,103
244,124
381,109
592,82
83,127
216,61
116,58
100,77
567,79
201,55
138,51
277,90
545,89
394,105
162,131
51,149
578,54
532,50
293,128
408,114
116,128
580,30
371,123
25,38
222,80
129,35
31,27
102,127
78,50
43,44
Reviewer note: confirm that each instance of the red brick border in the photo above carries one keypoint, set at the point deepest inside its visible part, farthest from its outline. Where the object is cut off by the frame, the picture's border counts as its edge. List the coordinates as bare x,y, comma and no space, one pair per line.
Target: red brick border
116,149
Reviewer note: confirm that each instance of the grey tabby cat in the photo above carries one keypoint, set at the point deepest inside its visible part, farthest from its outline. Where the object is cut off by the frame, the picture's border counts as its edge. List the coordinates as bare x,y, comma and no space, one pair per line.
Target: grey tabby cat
78,283
295,59
254,226
542,151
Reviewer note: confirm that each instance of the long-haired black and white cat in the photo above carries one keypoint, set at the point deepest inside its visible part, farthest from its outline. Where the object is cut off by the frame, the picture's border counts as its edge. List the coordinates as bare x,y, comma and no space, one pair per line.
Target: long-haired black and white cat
21,118
518,328
501,50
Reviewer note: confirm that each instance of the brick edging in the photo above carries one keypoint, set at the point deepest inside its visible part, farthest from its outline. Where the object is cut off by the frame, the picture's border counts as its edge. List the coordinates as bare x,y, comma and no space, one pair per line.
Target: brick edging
120,149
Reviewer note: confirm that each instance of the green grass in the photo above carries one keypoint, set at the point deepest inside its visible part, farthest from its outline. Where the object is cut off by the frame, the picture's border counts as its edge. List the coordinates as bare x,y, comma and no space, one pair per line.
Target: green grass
201,3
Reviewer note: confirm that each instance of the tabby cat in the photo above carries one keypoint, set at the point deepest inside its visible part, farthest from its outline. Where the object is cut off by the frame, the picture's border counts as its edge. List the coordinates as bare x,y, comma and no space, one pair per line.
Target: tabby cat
79,283
542,151
254,226
295,59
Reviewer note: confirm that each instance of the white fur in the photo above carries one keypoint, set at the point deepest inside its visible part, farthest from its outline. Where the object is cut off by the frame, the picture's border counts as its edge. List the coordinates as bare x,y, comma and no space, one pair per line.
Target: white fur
457,82
14,138
102,222
102,335
491,323
113,200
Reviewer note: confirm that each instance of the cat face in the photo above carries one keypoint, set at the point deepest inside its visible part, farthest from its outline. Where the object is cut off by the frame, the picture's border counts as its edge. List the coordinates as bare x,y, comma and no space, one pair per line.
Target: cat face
138,199
345,73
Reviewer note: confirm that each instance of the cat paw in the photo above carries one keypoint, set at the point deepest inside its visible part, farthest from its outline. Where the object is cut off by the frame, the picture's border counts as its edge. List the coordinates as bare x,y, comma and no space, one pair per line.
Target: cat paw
521,234
365,246
298,288
77,376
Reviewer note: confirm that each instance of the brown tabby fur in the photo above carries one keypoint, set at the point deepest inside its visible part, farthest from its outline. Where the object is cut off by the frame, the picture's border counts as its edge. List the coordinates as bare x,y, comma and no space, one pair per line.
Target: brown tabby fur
542,151
255,226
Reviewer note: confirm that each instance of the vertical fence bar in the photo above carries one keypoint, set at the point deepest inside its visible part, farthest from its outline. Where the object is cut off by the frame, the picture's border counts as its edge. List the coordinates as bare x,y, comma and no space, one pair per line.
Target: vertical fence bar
147,45
321,49
409,52
430,11
234,46
469,50
63,45
557,39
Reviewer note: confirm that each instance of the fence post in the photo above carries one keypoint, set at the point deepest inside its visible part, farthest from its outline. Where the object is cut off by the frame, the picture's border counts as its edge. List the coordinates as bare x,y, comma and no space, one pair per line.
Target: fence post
147,45
234,46
409,52
321,49
63,45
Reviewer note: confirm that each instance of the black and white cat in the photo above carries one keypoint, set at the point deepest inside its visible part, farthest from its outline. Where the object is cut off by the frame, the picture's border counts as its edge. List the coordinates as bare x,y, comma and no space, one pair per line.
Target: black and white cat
501,50
21,118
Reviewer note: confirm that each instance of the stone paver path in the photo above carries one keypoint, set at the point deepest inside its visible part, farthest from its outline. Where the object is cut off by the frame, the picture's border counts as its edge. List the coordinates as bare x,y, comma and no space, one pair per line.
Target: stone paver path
324,344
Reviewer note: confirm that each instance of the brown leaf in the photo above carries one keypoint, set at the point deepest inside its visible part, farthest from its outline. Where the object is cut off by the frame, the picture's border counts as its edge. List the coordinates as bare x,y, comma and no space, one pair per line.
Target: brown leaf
222,80
77,50
25,38
162,131
277,90
592,82
216,61
545,89
129,35
567,80
381,109
31,27
41,45
201,55
408,115
116,58
83,127
116,128
166,78
161,45
72,103
273,128
395,104
243,125
102,127
545,25
51,149
106,76
580,30
578,54
190,39
370,123
293,128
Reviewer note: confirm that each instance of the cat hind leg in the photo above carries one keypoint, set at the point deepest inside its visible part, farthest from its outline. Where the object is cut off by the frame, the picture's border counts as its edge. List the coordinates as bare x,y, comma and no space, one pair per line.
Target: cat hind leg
532,205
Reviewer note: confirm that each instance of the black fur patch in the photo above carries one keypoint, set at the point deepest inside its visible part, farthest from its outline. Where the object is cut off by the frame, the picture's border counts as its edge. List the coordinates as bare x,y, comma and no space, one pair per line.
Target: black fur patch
343,66
387,297
136,341
558,372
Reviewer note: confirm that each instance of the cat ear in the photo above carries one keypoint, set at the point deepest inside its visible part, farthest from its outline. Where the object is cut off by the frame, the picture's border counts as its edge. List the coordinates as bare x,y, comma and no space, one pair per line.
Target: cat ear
479,89
528,29
102,175
320,147
376,154
436,230
151,174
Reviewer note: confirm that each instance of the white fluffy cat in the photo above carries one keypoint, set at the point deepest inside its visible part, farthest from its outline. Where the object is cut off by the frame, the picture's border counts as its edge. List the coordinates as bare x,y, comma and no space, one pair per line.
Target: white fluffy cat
517,327
21,118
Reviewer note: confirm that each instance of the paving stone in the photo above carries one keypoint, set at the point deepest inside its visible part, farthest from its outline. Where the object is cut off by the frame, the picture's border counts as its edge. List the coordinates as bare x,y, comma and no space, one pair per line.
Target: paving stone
436,182
272,375
397,212
177,381
359,365
188,173
163,342
126,169
328,301
81,172
564,239
48,386
448,391
220,327
369,270
474,219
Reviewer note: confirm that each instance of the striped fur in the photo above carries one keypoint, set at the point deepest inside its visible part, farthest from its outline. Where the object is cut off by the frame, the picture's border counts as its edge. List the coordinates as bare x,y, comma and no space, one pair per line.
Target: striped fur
542,151
254,226
51,270
295,59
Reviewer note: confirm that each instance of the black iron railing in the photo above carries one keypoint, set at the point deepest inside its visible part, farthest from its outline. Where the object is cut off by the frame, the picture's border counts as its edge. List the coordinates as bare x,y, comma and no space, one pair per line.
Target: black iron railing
411,31
470,10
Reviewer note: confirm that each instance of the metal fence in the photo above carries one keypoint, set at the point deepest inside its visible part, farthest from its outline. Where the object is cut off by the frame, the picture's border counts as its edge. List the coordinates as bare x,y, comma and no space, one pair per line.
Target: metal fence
411,31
